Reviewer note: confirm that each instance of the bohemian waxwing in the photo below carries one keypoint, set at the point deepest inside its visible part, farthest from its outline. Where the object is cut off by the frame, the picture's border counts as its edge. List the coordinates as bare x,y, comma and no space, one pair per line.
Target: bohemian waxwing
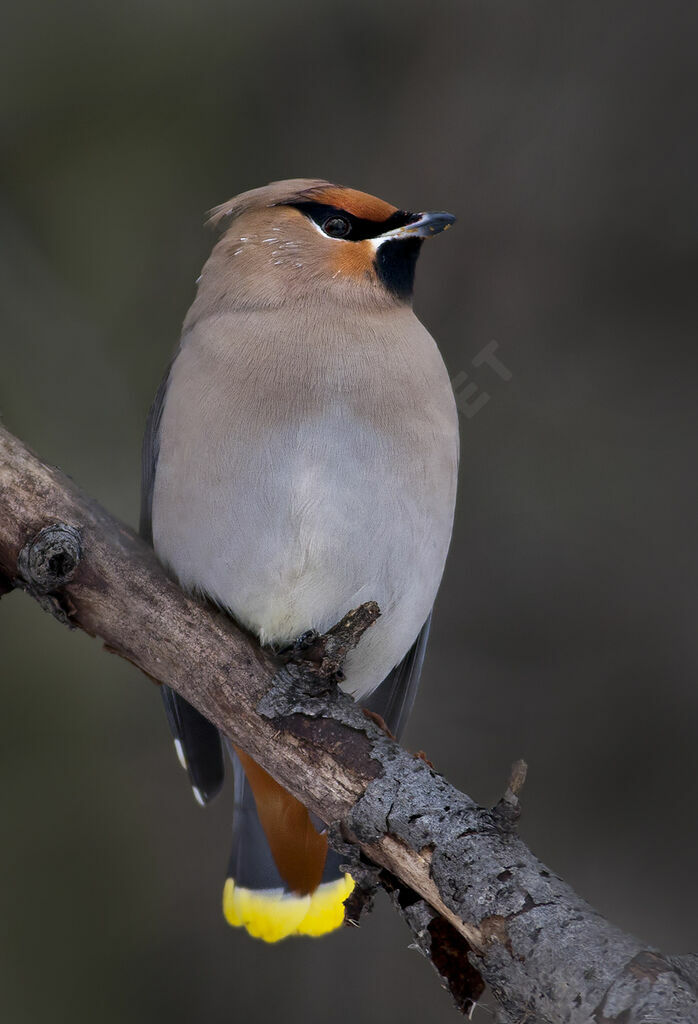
300,458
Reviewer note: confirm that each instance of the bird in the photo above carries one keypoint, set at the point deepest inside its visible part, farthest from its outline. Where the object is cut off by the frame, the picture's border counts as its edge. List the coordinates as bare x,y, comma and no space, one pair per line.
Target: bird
300,458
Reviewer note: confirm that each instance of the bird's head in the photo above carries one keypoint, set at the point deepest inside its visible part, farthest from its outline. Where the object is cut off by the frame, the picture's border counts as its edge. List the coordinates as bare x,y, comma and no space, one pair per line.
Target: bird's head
307,240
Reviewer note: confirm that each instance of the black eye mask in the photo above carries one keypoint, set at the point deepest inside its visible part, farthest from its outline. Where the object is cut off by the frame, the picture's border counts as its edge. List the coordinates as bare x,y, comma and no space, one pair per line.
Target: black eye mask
360,228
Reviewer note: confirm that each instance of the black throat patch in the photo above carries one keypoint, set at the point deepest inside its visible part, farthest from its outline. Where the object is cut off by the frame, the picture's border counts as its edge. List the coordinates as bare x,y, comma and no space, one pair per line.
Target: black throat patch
395,263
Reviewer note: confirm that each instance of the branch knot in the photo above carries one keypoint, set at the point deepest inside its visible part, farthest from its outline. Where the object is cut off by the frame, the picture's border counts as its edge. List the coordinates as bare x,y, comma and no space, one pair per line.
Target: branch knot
46,563
315,660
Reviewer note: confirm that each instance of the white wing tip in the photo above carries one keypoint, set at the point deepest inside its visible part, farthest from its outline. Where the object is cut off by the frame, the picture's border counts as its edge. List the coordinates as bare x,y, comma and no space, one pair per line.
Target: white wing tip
180,754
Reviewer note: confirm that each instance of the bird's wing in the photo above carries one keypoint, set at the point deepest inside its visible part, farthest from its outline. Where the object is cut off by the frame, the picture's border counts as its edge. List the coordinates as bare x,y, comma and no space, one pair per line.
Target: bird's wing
149,458
197,742
395,696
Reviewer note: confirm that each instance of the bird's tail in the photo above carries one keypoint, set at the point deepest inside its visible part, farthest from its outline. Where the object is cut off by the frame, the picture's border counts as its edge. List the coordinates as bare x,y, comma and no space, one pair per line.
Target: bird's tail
282,878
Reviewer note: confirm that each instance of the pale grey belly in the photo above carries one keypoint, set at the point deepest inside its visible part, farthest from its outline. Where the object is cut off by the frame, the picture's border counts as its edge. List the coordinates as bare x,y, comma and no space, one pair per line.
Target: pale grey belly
290,533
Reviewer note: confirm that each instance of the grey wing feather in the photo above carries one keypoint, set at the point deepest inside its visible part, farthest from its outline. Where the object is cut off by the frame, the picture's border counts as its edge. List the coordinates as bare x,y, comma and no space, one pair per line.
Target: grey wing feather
198,740
149,460
395,696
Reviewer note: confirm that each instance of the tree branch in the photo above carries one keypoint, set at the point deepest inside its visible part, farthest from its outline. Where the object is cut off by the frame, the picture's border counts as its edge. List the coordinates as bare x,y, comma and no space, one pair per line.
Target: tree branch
459,873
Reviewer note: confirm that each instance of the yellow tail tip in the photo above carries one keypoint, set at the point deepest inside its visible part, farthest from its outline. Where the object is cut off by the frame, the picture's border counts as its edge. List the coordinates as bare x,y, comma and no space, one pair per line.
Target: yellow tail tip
272,914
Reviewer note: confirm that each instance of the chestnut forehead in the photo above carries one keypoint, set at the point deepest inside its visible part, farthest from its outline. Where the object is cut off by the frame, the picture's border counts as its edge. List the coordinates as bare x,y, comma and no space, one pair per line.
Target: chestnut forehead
359,204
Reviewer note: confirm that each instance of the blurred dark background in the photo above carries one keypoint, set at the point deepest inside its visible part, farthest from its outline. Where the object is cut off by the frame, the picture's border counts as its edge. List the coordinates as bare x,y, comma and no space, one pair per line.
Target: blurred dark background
562,135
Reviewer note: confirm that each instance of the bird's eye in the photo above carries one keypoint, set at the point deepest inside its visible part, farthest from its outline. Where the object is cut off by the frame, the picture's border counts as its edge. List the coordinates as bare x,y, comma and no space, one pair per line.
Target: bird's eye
336,227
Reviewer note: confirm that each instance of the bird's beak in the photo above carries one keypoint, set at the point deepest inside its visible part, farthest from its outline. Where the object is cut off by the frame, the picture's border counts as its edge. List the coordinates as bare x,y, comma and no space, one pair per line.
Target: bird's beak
424,225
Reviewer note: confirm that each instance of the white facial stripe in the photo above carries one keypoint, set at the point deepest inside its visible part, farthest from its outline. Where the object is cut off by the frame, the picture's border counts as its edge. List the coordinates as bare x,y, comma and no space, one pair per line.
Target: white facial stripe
321,232
377,242
405,231
389,236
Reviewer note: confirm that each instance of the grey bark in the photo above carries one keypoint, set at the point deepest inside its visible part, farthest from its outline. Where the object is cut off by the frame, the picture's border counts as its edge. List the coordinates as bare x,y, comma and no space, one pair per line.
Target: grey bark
478,901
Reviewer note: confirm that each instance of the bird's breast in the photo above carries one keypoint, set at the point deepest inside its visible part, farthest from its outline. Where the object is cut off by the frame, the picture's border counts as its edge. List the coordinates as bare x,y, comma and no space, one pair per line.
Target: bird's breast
290,495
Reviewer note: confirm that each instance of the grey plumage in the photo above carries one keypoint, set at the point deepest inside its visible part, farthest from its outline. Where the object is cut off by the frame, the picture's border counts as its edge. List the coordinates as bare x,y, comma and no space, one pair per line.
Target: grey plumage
307,464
